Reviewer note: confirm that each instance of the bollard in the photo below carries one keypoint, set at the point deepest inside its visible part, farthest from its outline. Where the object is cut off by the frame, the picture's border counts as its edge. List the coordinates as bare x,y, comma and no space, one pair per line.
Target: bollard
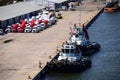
40,66
40,63
50,56
29,77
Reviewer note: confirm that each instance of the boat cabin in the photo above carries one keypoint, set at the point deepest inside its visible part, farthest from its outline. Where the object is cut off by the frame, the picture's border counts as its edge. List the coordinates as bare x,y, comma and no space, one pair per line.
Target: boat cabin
69,52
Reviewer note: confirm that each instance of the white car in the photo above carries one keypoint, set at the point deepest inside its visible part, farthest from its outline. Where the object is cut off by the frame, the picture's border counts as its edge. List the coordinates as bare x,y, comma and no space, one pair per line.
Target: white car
28,29
1,32
39,26
49,22
38,16
36,29
53,20
8,29
42,25
27,20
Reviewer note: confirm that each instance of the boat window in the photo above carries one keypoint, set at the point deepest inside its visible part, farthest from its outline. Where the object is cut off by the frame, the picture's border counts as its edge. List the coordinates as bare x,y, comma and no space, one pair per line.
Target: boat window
72,50
81,37
110,5
76,35
65,50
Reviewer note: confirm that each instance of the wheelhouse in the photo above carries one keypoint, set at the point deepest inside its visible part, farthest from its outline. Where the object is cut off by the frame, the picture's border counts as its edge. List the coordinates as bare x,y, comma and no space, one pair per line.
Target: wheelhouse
67,49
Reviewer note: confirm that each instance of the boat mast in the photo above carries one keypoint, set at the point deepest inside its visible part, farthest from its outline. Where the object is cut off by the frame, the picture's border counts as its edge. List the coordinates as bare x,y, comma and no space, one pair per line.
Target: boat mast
80,18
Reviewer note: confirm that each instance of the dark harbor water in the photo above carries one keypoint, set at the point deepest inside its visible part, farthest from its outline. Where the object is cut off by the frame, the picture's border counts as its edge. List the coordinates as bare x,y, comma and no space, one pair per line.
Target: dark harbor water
106,62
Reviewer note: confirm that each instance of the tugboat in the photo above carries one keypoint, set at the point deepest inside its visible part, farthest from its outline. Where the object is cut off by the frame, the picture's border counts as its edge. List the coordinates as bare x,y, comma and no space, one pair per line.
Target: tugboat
80,38
112,6
69,60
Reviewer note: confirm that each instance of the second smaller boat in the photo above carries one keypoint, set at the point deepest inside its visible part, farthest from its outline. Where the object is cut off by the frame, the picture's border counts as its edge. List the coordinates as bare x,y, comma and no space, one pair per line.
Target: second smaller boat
112,6
79,37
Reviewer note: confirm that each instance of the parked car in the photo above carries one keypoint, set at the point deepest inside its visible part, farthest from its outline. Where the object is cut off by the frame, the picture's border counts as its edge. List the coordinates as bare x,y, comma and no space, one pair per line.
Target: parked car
36,29
22,27
59,16
38,16
1,32
42,25
14,27
32,23
53,20
8,29
28,29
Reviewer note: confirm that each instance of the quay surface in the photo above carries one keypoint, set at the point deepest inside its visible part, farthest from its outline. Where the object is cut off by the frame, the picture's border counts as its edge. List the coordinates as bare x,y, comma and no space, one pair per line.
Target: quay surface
20,58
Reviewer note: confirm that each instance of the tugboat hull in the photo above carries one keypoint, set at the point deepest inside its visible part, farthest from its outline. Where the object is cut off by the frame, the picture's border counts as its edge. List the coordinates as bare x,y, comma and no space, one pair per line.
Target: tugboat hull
112,6
90,49
68,67
111,10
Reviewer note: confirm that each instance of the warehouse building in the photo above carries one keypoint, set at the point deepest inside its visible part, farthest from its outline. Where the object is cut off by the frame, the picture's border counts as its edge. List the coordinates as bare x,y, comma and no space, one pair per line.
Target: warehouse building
53,4
59,3
11,14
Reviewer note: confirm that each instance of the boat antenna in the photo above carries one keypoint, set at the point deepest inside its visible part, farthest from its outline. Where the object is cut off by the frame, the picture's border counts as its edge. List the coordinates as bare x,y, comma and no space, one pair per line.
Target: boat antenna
70,26
80,18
